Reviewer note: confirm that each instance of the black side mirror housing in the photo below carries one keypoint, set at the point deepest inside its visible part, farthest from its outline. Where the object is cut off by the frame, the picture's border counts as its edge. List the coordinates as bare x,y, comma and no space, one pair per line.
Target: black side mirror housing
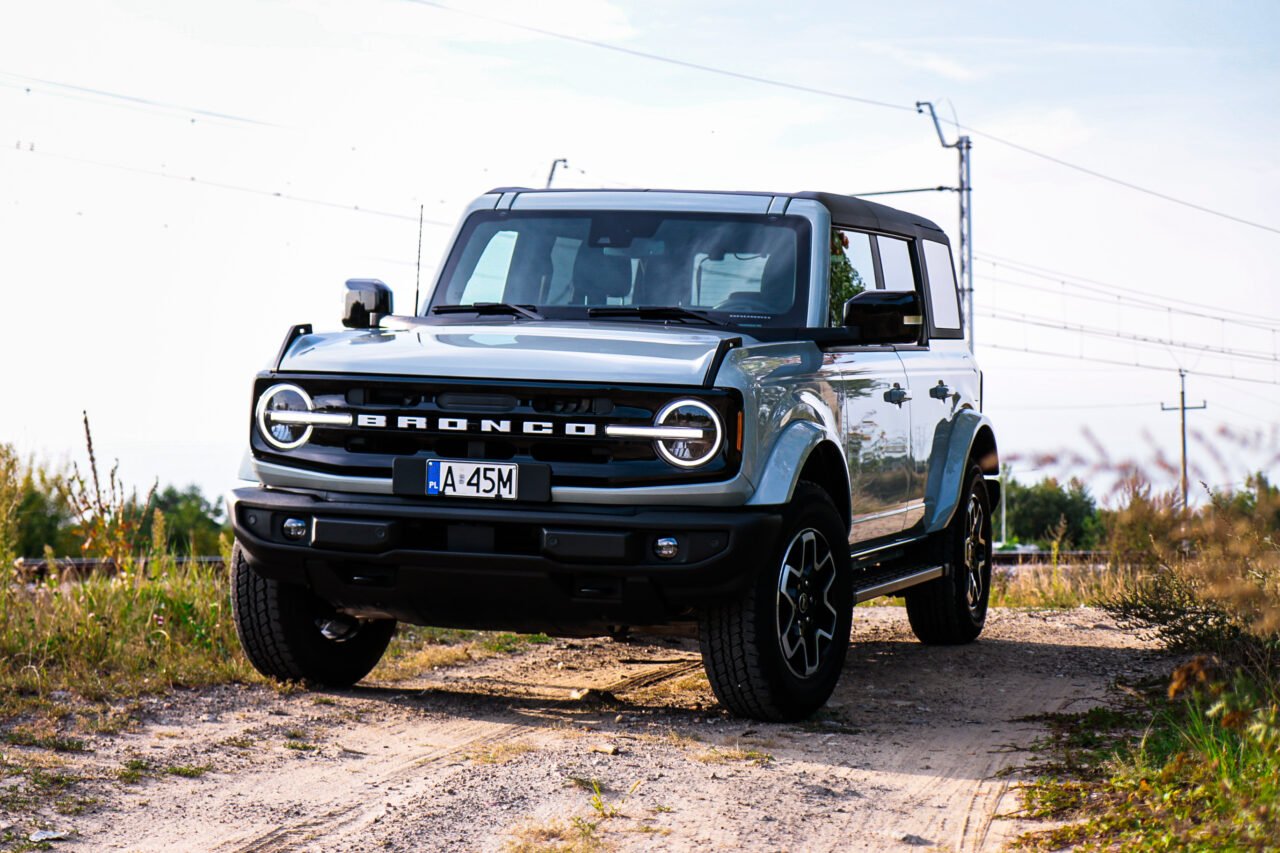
885,316
368,301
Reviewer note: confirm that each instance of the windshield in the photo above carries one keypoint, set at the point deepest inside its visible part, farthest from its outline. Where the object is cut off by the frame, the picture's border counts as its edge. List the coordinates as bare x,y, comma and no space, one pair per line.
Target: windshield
738,269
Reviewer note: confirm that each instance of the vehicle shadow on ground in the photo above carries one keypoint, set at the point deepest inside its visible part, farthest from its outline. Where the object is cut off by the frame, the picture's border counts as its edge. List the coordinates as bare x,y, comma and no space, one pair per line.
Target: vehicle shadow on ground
894,691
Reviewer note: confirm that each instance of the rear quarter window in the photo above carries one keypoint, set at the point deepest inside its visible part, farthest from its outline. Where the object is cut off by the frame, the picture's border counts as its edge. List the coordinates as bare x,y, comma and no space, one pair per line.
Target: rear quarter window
942,287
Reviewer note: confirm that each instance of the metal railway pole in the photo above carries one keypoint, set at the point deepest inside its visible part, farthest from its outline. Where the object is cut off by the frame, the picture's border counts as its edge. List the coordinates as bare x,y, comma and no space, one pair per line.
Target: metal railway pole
963,146
1182,409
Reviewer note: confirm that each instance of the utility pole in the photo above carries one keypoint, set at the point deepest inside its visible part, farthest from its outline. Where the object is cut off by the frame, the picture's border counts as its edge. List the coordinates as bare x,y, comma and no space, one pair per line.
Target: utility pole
1004,505
1182,408
552,174
962,145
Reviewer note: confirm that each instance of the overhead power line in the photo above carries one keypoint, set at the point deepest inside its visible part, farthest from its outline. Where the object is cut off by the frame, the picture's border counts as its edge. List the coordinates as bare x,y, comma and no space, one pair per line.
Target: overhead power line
1093,331
1126,302
669,60
1085,283
240,188
1118,181
844,96
1133,364
29,83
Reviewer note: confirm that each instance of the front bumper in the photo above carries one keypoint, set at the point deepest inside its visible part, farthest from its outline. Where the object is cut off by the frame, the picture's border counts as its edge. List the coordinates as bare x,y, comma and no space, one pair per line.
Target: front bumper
563,569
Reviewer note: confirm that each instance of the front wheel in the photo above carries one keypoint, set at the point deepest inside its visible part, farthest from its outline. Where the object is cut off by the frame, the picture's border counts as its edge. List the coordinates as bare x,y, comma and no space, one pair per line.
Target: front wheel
775,653
291,635
952,610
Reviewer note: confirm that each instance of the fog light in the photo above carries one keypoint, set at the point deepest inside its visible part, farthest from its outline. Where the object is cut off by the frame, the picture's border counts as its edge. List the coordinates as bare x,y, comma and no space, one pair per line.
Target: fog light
667,547
295,528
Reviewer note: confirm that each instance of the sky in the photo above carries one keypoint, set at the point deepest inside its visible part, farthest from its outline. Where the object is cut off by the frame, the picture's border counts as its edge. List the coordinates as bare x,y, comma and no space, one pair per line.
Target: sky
180,183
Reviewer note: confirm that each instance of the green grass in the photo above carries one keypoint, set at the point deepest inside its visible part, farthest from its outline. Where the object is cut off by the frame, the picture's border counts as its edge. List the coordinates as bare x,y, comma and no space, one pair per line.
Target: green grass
188,771
1204,774
134,771
57,743
96,641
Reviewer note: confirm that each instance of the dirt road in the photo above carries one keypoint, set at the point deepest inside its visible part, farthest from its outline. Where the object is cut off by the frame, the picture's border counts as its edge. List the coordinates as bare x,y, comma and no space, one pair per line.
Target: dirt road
503,752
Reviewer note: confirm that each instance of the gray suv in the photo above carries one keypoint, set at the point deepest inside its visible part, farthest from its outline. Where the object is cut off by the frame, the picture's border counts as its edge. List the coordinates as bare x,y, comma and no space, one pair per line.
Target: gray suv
739,411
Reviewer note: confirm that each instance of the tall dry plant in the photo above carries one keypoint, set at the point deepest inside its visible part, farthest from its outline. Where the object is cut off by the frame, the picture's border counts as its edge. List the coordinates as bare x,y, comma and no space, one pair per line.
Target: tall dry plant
10,499
1213,578
110,522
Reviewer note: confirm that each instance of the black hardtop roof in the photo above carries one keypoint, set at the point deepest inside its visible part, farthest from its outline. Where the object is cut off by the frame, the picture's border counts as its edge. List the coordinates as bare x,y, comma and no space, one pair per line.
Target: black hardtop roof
846,210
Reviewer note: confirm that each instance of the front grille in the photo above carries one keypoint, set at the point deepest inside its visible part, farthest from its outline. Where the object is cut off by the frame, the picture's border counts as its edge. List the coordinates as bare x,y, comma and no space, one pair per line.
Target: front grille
462,419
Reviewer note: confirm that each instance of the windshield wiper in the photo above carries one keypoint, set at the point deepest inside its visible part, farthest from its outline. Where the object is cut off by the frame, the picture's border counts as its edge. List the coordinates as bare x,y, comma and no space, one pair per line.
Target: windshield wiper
652,312
490,308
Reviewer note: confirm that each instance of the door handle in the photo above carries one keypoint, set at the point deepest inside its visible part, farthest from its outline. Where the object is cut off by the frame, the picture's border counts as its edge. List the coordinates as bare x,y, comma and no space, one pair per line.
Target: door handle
940,391
897,395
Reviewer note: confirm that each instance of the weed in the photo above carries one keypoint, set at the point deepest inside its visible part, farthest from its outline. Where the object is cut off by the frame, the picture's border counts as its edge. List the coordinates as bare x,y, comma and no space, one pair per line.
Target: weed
300,746
57,743
74,805
1205,774
505,643
323,700
603,807
188,771
134,770
241,742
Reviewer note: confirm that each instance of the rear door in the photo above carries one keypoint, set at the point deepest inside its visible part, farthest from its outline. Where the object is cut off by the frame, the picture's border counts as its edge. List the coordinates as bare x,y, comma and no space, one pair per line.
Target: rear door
940,369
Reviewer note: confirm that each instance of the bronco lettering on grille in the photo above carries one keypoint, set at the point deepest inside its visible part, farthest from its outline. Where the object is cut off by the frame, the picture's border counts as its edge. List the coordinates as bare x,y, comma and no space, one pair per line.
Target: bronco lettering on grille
481,425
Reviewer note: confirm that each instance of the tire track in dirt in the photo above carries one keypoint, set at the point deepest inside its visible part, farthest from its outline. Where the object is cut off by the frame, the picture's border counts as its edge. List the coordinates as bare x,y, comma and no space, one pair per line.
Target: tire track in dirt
912,752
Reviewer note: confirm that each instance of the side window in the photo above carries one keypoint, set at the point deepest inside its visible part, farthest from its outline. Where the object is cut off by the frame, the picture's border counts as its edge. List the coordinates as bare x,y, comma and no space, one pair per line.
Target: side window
942,287
852,270
489,278
895,264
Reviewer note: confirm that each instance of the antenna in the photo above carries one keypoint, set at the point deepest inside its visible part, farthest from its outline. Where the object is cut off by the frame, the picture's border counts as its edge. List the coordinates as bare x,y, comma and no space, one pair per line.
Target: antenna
551,176
417,279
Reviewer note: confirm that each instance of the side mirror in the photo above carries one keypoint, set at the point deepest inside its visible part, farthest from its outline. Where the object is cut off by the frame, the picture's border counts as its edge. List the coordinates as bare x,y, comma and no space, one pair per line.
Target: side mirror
885,316
368,301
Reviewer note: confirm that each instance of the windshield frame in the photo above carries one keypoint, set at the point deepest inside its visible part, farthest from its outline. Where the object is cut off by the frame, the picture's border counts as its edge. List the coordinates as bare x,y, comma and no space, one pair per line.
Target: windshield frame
795,316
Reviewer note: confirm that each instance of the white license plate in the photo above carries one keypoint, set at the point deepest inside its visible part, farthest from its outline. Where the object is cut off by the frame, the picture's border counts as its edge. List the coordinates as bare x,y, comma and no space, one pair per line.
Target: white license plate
495,480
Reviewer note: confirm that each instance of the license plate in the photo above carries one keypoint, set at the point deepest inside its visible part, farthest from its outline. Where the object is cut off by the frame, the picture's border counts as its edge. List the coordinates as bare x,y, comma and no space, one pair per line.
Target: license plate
457,479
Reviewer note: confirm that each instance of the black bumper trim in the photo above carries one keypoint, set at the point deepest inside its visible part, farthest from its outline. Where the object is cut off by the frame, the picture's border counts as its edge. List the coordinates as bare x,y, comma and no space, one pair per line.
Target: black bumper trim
564,569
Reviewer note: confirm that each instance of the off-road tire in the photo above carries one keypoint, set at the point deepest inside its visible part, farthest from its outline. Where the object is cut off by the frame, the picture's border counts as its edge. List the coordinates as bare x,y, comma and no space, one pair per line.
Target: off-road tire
742,651
279,628
945,612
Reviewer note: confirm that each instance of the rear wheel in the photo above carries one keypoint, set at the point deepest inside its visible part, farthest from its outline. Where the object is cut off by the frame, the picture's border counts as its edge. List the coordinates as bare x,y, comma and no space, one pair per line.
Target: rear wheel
953,609
776,652
291,635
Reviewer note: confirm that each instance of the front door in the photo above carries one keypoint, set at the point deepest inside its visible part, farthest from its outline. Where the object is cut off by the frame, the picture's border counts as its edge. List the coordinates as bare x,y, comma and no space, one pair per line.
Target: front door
875,415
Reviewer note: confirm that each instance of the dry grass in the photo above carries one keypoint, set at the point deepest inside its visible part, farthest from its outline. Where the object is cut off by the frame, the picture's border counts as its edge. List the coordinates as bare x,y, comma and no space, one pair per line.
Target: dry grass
416,650
685,691
557,836
500,753
734,754
1059,587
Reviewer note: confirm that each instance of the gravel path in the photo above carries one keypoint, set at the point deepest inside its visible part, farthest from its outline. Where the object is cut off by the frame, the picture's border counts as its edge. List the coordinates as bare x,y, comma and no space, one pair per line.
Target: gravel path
502,752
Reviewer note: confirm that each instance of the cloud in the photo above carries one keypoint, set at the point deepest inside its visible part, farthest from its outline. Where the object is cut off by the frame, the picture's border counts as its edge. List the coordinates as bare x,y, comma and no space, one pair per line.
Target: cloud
922,60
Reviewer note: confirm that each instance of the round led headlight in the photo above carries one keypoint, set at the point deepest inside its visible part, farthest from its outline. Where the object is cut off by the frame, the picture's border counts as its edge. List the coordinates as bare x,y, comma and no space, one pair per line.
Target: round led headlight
279,432
696,433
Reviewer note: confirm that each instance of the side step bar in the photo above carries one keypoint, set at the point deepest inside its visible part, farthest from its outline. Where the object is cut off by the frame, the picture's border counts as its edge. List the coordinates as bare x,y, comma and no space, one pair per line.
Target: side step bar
877,585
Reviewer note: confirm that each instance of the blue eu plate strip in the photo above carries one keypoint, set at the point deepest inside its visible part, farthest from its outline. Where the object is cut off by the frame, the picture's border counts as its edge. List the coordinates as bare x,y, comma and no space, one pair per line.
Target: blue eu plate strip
433,477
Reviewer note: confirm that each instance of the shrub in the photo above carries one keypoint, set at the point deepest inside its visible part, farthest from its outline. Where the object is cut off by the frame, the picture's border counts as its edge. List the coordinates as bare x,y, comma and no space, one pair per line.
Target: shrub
1214,585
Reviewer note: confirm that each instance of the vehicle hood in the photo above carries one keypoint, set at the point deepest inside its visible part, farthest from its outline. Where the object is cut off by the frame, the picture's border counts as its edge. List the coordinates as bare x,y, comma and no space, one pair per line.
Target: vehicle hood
623,352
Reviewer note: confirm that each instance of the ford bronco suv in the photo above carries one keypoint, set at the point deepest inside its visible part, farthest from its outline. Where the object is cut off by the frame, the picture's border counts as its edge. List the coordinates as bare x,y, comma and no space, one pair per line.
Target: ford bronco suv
739,411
